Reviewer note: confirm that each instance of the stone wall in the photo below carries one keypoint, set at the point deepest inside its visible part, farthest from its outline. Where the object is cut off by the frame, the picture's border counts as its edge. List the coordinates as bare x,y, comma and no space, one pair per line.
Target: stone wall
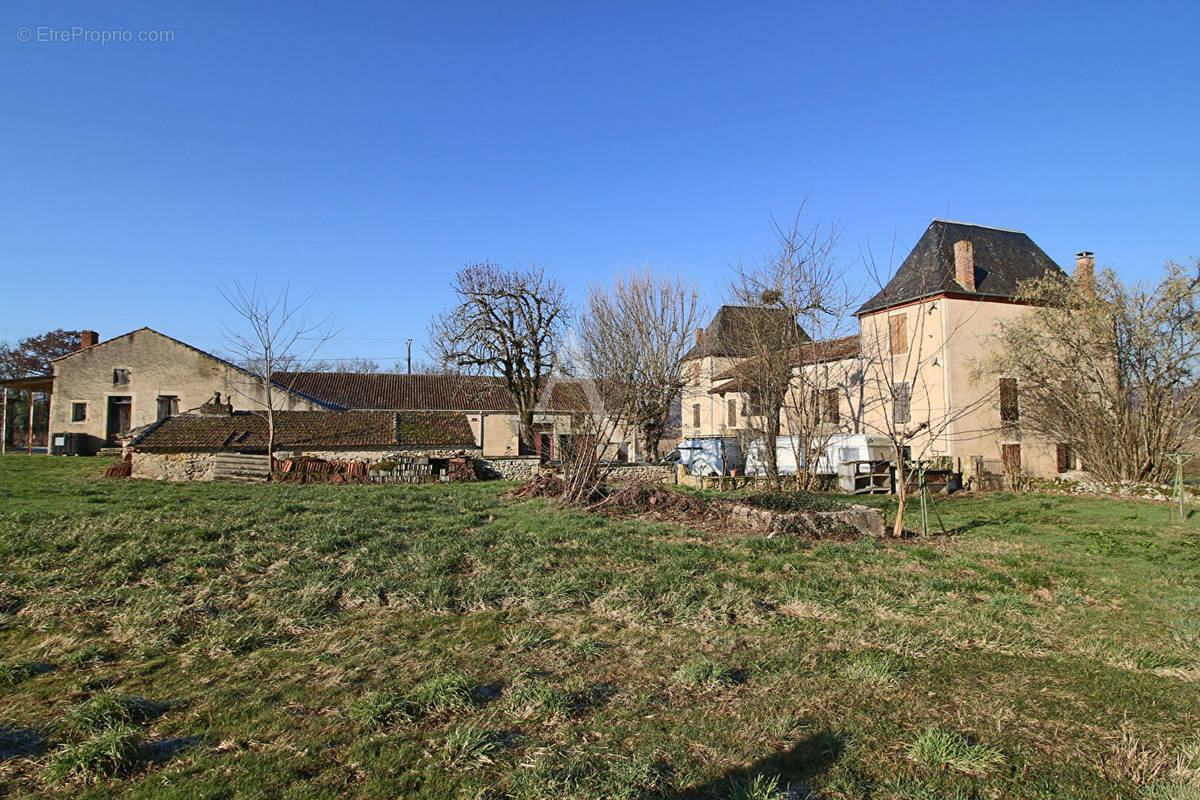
520,468
173,466
652,473
373,456
814,524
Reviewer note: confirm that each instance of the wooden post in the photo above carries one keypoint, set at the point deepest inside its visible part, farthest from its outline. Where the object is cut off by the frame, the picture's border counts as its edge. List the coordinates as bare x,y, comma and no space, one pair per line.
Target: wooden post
49,410
29,430
3,420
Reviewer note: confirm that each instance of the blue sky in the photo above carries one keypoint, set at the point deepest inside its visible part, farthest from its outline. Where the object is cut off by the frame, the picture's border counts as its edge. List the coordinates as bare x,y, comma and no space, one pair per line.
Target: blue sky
367,151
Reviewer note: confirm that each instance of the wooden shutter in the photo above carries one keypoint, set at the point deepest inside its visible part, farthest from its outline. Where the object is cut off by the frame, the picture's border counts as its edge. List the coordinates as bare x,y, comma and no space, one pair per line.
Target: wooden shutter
1010,454
695,415
1009,408
732,407
1064,457
901,403
831,411
898,333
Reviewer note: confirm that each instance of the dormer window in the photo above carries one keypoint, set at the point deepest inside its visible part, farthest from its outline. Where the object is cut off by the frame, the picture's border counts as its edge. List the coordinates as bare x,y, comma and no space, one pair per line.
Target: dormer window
120,377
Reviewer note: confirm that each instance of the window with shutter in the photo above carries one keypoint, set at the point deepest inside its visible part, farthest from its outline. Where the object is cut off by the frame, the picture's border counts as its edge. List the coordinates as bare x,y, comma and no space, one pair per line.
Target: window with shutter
1064,457
901,403
1010,455
695,415
731,406
898,334
830,412
1009,410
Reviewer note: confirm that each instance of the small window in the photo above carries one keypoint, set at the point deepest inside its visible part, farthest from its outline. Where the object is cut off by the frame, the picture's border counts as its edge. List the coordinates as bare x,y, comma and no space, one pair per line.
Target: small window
898,334
829,411
78,412
695,415
168,404
1064,457
732,408
695,373
1009,408
902,403
120,377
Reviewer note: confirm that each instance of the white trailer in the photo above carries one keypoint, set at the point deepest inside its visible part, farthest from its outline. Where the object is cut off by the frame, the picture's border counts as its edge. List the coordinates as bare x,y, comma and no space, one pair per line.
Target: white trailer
837,449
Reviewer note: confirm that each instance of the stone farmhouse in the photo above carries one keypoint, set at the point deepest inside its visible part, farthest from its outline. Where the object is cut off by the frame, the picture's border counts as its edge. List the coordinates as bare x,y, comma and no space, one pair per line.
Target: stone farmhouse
914,363
124,389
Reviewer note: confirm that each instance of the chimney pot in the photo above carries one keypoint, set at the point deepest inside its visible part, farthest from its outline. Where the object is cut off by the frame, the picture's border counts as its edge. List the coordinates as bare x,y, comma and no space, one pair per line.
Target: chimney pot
88,339
1085,272
964,264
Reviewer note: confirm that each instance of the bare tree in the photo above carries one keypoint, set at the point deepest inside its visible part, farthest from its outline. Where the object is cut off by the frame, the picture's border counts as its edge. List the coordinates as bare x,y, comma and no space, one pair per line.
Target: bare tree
509,322
640,330
904,353
794,285
1109,370
274,334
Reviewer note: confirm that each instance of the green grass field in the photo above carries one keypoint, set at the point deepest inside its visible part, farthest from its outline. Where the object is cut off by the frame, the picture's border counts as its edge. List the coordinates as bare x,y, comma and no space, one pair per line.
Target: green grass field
204,641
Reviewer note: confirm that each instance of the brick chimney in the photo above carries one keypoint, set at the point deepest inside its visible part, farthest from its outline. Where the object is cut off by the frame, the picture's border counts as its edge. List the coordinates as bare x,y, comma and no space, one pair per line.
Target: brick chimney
88,339
699,334
964,264
1085,272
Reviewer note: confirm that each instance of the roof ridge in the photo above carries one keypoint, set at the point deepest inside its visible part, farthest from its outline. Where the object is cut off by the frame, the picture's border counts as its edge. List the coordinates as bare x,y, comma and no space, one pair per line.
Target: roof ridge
977,225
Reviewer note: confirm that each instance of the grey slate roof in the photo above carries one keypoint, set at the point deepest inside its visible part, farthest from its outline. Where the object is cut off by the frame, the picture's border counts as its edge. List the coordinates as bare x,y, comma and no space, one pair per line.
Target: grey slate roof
723,336
1003,259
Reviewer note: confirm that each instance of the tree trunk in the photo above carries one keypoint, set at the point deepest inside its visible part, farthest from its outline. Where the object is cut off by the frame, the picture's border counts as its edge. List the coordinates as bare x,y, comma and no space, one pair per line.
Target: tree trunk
901,496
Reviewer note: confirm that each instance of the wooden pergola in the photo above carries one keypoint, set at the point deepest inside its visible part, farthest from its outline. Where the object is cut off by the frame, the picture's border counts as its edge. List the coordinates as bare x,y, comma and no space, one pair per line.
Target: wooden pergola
33,384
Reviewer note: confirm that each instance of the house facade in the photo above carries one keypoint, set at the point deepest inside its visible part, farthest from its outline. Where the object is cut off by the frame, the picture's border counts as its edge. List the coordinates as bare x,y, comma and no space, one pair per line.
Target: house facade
915,367
105,389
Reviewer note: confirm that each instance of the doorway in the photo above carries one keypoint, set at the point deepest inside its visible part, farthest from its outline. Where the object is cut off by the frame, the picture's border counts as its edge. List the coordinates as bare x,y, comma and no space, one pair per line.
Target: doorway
120,417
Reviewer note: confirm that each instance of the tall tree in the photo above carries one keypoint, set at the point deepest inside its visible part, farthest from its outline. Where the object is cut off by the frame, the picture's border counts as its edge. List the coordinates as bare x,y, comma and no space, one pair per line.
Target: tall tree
641,327
273,334
506,322
32,356
1110,370
794,285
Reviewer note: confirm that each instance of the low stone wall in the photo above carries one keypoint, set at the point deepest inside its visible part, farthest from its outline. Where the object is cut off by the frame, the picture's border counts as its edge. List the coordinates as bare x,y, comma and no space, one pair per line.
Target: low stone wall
373,456
651,473
173,466
815,524
521,468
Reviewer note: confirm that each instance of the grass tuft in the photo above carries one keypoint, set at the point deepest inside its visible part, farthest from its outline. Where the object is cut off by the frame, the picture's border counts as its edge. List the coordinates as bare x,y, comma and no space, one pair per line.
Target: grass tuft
107,711
706,673
112,751
876,668
469,745
940,749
